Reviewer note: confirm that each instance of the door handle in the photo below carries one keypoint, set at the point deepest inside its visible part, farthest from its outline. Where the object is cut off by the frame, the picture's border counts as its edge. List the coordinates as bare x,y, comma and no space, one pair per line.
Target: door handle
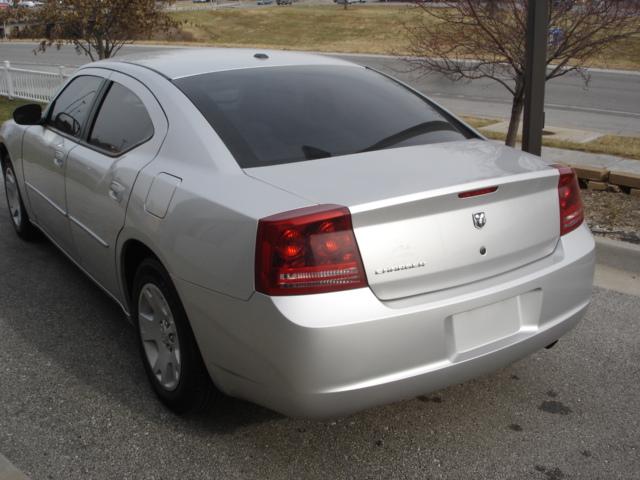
116,191
58,158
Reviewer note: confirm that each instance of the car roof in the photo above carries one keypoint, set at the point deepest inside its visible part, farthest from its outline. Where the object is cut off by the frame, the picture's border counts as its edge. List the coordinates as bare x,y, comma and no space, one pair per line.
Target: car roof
177,63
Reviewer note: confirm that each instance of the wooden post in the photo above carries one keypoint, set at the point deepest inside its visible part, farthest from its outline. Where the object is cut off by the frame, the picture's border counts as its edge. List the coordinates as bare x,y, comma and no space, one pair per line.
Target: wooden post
535,76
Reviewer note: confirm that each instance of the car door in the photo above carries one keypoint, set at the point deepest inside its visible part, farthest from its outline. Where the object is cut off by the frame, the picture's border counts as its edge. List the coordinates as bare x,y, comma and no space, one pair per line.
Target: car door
45,151
125,133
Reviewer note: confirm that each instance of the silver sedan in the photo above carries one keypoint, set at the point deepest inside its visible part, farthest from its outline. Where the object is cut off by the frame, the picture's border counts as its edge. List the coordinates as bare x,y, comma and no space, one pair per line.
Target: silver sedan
295,230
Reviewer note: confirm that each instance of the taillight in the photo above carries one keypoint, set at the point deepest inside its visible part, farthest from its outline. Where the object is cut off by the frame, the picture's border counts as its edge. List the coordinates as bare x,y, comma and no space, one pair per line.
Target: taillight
310,250
571,209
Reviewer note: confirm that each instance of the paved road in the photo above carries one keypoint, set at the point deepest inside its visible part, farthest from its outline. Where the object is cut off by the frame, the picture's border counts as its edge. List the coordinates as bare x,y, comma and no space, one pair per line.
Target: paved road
74,402
611,103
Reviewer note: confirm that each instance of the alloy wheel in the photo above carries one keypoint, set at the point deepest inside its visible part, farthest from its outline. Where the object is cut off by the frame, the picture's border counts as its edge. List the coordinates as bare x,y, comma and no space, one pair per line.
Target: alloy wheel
13,196
159,336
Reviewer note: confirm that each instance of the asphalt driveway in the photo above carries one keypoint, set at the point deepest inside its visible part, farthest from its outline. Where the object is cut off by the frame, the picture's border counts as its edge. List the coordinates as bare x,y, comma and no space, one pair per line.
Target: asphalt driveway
74,402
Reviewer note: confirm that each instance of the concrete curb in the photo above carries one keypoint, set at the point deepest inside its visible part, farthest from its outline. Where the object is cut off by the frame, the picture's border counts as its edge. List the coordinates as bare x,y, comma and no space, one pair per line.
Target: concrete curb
9,472
619,255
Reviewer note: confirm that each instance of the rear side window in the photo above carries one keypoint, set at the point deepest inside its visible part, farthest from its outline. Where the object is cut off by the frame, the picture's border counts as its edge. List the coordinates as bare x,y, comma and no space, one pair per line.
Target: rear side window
71,108
274,115
122,121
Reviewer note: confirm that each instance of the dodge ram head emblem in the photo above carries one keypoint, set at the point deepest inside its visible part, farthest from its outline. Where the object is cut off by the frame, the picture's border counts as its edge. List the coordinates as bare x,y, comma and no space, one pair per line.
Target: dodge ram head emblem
479,220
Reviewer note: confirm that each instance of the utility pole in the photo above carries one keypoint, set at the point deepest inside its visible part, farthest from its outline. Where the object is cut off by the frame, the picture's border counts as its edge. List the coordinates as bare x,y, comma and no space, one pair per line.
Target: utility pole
535,76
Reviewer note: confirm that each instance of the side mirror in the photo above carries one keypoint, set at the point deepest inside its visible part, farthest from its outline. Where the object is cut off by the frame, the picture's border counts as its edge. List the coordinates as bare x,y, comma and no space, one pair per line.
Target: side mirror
30,114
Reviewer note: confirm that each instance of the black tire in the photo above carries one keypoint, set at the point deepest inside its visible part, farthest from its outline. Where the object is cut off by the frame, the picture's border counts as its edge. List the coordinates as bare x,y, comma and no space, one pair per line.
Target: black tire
21,223
194,390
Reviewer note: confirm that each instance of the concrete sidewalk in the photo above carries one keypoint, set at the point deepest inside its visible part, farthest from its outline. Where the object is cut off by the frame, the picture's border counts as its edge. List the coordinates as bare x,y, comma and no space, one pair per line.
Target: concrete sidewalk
572,157
9,472
617,266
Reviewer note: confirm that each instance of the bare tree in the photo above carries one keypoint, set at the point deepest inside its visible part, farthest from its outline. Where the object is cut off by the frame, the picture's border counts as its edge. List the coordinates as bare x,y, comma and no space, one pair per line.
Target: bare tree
98,28
473,39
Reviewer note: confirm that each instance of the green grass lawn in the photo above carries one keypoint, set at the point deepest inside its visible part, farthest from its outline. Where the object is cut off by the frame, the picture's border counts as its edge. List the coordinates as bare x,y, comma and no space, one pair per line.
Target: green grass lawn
330,28
7,106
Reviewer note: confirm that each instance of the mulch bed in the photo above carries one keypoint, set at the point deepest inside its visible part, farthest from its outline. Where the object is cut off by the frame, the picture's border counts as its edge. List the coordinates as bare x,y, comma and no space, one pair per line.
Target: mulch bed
613,215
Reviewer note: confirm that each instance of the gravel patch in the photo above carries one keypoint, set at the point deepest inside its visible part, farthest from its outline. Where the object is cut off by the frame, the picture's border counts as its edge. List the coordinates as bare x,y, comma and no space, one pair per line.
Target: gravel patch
613,215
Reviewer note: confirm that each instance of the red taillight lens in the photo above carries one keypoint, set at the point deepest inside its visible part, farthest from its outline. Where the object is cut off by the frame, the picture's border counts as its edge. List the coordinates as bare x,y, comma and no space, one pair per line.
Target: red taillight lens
310,250
571,209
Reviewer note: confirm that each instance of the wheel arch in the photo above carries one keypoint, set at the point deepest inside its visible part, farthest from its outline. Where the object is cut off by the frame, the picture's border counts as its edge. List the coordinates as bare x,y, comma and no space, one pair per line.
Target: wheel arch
4,154
132,254
200,390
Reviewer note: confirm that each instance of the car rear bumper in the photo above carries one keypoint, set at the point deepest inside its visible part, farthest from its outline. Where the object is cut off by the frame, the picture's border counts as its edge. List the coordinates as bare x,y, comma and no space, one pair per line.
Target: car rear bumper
332,354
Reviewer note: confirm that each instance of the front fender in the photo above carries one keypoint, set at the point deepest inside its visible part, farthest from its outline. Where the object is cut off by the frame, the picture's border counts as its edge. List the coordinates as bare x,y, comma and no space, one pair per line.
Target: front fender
11,136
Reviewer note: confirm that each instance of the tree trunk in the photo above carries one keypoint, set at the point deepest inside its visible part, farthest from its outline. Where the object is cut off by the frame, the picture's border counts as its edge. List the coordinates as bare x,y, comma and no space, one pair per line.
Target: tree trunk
108,49
98,45
516,113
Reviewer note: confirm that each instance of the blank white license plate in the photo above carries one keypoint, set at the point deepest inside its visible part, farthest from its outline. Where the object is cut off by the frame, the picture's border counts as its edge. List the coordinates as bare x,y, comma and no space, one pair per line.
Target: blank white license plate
480,326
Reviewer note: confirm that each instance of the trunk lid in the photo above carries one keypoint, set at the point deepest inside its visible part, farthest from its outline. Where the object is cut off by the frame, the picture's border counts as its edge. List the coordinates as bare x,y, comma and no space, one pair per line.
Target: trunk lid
415,233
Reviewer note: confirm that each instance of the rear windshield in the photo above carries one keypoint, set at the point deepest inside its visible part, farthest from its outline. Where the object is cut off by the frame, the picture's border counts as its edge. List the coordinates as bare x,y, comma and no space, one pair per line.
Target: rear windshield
273,115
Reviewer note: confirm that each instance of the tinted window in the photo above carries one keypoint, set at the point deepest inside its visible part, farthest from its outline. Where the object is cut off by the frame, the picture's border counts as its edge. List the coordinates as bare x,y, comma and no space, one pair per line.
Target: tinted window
275,115
71,109
122,122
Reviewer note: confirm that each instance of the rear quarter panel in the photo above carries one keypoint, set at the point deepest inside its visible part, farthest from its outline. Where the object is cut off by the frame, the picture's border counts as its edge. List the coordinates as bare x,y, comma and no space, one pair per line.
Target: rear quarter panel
207,236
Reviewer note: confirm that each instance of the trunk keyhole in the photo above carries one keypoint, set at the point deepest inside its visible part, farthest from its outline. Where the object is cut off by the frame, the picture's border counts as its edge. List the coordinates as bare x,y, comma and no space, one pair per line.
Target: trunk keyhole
483,250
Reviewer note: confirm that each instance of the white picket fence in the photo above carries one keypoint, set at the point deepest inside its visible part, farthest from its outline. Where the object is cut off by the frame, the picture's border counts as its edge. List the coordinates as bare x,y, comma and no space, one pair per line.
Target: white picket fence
30,84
